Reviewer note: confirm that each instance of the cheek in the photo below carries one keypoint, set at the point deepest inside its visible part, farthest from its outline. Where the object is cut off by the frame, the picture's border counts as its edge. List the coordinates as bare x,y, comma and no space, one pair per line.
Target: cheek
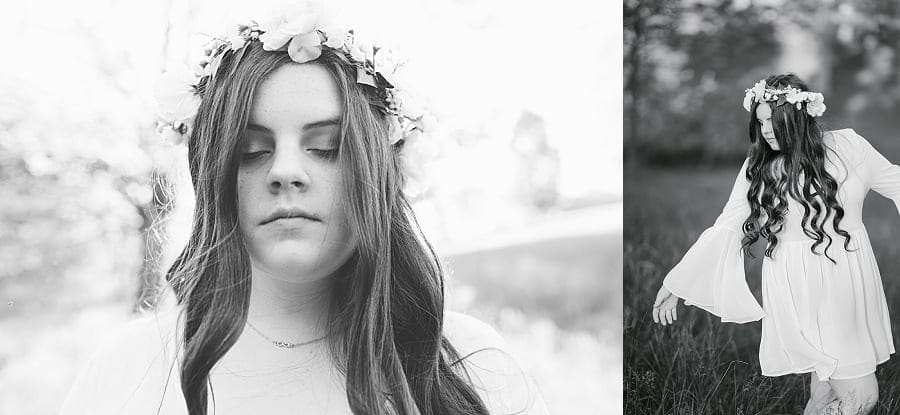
245,191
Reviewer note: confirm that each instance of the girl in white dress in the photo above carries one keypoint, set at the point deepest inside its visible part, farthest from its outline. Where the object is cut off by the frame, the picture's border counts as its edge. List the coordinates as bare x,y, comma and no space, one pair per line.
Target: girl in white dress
801,190
306,285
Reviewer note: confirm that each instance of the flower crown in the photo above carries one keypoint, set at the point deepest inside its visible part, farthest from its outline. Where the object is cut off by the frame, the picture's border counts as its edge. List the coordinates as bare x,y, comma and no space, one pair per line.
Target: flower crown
299,30
815,102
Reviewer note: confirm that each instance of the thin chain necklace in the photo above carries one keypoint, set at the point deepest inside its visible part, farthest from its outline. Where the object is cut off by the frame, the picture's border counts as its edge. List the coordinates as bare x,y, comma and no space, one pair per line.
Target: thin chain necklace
281,343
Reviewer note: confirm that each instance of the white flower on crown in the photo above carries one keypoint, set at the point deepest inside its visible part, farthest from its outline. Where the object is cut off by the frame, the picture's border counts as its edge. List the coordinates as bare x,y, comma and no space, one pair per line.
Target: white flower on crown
361,51
816,105
748,100
305,47
336,34
759,89
285,22
815,101
794,95
387,65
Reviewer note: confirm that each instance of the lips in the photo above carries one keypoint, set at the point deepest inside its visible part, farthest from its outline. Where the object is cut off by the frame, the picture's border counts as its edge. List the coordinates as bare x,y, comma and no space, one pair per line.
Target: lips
286,212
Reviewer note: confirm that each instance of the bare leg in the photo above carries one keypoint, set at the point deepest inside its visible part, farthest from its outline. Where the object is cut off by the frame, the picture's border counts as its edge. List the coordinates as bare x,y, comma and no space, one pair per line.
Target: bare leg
854,396
820,395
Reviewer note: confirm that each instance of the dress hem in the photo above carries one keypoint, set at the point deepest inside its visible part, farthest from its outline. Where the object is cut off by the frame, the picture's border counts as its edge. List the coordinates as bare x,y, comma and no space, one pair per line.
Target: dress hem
810,369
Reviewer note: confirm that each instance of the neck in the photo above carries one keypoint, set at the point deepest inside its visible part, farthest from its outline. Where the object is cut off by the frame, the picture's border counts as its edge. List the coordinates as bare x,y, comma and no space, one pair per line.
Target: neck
288,310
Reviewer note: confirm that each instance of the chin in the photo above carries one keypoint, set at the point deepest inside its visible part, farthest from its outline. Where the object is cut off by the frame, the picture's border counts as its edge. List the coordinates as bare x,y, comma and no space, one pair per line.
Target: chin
292,259
292,268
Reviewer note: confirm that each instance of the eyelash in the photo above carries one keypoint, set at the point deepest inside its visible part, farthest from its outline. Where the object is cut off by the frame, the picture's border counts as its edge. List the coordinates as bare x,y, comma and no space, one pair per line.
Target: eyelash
327,154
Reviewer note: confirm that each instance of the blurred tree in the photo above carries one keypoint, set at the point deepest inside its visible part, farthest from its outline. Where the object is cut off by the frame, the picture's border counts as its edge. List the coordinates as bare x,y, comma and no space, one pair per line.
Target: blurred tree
646,22
67,218
538,179
683,60
76,171
687,63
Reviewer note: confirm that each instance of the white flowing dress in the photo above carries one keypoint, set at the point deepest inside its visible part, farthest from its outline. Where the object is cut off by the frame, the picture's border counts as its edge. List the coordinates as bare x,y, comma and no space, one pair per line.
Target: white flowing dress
134,371
830,318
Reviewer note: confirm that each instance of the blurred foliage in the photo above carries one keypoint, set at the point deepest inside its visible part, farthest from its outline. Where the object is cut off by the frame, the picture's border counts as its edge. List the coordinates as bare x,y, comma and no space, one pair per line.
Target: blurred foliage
74,186
687,63
79,165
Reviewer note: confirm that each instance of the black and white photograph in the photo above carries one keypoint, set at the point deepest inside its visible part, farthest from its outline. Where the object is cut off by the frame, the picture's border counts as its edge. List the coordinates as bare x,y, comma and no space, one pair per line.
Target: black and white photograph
762,193
316,207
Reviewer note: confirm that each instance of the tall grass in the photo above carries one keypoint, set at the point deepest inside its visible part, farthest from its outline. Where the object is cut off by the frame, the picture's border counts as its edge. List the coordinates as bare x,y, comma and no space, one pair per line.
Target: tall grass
700,365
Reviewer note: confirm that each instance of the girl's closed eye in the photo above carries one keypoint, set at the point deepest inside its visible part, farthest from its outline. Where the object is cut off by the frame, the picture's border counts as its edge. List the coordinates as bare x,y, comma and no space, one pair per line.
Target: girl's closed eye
326,153
253,154
253,147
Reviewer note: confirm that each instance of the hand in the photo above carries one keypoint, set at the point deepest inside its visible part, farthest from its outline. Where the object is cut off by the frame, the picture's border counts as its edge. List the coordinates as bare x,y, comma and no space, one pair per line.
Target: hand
665,307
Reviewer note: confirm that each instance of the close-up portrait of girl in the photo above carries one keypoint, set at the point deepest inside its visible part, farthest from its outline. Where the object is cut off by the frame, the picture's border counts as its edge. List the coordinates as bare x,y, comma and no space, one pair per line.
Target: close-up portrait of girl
309,206
306,285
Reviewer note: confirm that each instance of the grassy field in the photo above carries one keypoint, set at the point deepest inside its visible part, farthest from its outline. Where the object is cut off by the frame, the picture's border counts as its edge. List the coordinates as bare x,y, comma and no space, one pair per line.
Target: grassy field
700,365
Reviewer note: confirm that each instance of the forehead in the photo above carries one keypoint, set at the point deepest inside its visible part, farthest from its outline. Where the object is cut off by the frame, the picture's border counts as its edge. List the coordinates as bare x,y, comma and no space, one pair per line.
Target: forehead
763,111
294,95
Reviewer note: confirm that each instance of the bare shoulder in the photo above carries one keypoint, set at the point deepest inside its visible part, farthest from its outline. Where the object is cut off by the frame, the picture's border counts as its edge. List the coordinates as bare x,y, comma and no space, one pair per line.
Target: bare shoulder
496,373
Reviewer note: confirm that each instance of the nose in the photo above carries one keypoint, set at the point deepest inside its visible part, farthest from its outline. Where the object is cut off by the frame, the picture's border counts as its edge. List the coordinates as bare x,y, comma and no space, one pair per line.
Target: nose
287,171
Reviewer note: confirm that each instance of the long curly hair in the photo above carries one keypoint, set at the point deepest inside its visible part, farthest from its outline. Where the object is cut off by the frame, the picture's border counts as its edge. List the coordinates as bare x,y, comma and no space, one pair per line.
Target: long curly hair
796,170
387,321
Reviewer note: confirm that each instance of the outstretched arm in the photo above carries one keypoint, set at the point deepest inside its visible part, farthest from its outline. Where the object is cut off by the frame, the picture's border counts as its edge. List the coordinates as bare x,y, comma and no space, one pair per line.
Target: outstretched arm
711,274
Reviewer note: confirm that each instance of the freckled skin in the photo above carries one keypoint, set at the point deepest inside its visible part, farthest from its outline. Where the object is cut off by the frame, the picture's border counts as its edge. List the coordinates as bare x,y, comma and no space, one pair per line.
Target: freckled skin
288,170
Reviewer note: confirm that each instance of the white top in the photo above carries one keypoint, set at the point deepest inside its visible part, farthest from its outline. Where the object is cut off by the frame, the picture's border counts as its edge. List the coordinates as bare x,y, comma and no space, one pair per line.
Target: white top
816,315
129,372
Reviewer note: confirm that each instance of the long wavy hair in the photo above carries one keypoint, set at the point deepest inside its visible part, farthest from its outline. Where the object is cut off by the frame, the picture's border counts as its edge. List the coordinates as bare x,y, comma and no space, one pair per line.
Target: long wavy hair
386,334
797,170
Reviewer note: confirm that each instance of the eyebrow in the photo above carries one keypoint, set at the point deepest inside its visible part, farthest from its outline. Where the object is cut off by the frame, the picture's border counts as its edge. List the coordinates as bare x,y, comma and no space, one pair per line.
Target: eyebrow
306,127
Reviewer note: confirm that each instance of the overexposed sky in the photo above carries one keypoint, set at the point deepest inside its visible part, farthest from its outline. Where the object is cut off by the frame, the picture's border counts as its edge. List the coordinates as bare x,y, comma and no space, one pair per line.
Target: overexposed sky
477,64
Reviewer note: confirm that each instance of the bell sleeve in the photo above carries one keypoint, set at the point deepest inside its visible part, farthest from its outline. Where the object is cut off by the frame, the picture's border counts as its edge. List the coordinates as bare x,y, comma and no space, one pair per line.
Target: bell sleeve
711,273
880,174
